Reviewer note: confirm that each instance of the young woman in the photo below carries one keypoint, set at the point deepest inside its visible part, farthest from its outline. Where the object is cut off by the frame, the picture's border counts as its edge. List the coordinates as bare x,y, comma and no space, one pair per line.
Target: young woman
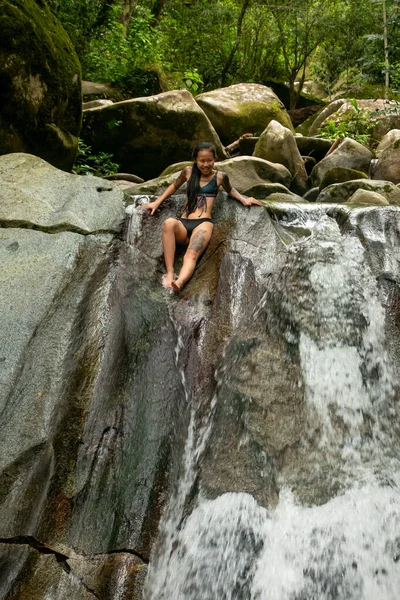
195,227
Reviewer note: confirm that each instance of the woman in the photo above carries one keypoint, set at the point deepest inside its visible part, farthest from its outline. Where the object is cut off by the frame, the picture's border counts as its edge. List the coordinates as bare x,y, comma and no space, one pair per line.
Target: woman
195,227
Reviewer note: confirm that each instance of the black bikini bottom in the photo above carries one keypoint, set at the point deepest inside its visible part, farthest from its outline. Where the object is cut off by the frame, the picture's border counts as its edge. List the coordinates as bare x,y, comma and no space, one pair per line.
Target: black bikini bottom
191,224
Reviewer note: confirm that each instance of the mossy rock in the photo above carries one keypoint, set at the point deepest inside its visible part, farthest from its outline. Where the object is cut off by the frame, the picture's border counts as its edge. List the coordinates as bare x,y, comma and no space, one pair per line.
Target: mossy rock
40,76
242,108
339,193
176,168
368,197
264,190
284,197
148,134
340,175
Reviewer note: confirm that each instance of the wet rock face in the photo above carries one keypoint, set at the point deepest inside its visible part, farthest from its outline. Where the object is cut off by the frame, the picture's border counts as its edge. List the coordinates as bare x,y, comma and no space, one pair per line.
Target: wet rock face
57,261
41,104
123,403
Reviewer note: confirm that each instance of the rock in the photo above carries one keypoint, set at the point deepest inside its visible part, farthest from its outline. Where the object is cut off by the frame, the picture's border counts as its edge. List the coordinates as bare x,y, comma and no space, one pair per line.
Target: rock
388,152
154,187
339,175
90,88
246,171
324,115
145,135
361,196
125,176
176,167
280,197
102,574
388,140
35,194
39,271
96,104
348,154
263,190
278,144
242,108
385,123
41,105
243,173
339,193
380,116
309,163
312,146
312,195
299,115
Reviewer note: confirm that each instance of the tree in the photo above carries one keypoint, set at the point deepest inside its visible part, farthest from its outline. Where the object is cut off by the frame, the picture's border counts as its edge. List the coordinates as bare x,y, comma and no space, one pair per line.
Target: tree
235,46
302,26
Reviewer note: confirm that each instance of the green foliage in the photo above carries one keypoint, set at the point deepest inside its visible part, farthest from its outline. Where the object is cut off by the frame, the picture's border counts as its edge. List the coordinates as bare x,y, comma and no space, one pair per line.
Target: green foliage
88,163
356,124
121,56
198,44
193,81
392,108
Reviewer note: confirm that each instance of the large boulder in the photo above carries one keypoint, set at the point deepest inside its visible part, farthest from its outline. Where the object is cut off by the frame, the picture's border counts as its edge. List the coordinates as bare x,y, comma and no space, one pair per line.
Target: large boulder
242,108
349,154
145,135
388,152
278,144
41,104
35,194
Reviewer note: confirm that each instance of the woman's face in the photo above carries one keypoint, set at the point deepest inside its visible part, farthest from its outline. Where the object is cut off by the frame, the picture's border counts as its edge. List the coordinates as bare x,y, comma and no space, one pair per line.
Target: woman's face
205,161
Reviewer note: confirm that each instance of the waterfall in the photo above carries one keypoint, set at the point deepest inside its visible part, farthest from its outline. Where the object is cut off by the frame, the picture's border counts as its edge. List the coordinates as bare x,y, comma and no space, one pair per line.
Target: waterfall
332,531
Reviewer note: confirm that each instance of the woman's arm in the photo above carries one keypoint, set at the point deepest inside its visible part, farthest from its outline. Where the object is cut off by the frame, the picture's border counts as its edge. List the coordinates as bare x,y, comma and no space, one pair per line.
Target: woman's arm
171,189
235,194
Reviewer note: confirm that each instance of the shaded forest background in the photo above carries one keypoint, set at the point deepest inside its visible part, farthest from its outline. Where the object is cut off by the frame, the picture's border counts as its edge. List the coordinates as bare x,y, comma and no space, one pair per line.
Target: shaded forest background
146,46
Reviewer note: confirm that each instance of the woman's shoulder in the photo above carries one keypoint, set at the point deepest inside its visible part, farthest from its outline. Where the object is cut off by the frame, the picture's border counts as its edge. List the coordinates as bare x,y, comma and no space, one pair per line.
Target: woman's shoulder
187,171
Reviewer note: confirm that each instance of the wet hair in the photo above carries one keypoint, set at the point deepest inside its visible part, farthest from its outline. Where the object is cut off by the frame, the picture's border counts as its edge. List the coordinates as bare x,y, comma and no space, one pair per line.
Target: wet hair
193,185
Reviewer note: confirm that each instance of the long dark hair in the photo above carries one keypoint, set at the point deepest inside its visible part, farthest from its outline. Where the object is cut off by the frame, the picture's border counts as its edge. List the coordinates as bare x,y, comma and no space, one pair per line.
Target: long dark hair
193,185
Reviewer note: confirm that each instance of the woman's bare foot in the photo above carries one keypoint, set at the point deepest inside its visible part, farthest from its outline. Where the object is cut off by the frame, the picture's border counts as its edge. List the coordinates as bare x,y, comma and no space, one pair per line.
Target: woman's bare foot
167,280
175,287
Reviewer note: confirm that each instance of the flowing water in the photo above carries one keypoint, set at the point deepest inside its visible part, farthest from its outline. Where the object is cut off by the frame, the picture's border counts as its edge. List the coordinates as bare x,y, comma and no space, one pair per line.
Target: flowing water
345,546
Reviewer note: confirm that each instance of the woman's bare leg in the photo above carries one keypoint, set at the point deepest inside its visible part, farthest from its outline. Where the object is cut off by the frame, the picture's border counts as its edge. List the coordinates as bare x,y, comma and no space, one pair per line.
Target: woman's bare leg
198,243
173,231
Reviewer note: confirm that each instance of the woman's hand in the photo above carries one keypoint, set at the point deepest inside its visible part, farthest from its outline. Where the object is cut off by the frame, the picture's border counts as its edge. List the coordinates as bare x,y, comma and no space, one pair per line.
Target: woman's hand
250,201
152,206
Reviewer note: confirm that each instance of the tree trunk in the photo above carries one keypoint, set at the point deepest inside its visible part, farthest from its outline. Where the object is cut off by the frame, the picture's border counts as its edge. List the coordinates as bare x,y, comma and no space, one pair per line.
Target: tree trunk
235,46
156,10
126,15
385,46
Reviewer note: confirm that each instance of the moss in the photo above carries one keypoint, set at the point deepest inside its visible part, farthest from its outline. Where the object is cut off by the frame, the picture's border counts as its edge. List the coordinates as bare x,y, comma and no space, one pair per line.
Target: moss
40,78
305,126
340,175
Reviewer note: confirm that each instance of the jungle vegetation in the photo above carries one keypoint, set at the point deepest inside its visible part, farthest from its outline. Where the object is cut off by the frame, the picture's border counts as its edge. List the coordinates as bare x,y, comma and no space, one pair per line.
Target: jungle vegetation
146,46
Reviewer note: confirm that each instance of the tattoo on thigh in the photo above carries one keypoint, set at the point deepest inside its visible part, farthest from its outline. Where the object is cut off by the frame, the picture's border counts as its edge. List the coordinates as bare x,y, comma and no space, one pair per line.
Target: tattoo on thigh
197,242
